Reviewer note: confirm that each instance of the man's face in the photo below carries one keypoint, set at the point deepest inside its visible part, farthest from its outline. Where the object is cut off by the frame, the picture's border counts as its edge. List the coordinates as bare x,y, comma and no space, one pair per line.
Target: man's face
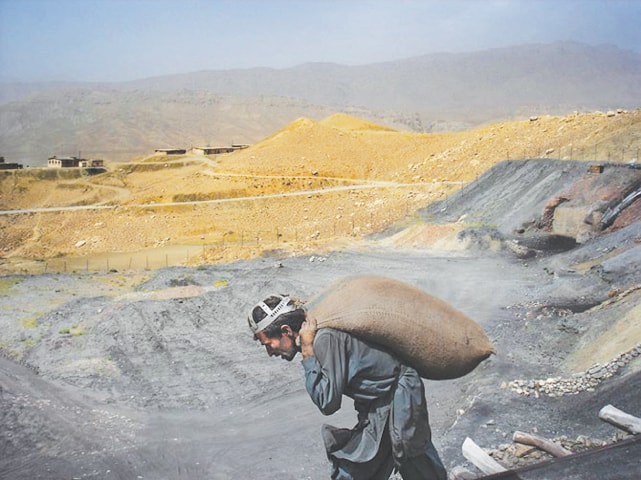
283,346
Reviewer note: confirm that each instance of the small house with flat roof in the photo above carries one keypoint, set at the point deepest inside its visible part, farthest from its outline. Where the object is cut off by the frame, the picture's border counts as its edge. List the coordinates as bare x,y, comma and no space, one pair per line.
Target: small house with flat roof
63,162
170,151
9,166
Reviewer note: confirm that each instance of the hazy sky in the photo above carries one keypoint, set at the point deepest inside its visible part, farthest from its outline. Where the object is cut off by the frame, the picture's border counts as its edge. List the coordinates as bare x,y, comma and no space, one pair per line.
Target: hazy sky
114,40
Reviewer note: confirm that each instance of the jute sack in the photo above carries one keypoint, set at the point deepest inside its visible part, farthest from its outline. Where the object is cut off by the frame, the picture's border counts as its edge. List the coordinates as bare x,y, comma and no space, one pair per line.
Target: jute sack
439,341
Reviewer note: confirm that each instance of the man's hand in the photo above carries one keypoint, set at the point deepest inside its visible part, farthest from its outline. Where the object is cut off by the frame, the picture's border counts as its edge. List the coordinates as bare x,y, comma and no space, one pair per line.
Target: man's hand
307,333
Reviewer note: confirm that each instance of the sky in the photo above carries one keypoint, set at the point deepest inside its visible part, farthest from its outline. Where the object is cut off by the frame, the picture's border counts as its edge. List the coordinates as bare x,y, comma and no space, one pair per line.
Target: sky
120,40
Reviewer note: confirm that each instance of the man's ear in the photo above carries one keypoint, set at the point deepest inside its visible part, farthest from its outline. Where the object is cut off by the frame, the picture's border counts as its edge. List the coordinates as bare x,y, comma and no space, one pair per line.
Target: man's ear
286,330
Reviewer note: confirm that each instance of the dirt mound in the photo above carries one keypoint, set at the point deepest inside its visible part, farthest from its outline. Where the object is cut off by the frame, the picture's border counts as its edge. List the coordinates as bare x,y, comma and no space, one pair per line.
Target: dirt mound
349,123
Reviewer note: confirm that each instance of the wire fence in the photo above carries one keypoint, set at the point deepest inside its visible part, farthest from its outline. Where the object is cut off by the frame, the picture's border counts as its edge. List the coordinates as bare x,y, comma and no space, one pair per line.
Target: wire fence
235,245
596,153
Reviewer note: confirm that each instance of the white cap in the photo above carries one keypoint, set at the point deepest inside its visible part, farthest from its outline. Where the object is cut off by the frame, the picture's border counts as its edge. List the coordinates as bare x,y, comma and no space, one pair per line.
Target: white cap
282,307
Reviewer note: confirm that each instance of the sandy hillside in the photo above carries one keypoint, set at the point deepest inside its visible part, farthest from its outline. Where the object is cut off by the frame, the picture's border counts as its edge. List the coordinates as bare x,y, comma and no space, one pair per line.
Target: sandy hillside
286,192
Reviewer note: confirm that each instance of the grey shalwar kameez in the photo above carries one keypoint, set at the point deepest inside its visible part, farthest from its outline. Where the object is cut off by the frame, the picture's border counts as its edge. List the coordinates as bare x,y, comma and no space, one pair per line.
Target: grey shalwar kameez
393,426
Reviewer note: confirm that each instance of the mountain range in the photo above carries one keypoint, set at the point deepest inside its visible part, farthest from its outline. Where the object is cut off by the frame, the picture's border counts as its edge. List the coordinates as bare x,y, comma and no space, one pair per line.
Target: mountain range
430,93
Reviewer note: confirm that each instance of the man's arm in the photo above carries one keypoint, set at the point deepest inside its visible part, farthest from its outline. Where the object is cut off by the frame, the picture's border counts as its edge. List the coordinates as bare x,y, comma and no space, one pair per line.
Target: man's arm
325,370
307,333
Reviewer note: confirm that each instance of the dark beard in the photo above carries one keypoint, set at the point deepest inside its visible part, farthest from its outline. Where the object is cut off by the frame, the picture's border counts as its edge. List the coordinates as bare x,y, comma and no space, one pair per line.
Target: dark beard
289,357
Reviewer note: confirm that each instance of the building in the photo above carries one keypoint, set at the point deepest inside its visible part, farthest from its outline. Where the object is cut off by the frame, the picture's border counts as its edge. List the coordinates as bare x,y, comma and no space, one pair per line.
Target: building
91,163
170,151
9,166
211,150
71,162
63,162
217,150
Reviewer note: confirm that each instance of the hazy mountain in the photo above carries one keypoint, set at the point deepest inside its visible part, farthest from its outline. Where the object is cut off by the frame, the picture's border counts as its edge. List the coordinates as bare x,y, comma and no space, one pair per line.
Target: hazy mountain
498,81
427,93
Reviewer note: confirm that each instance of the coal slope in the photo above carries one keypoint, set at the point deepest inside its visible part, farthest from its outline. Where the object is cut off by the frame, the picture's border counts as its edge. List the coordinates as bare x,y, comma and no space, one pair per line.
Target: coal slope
585,306
508,195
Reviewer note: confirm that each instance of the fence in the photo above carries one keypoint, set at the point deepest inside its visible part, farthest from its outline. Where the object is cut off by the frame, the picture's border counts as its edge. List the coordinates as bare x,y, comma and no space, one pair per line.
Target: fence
595,153
227,246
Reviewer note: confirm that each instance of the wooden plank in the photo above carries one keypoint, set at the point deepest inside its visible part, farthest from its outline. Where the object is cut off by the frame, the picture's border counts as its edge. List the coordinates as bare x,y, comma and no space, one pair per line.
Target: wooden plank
620,419
481,460
540,443
460,473
617,461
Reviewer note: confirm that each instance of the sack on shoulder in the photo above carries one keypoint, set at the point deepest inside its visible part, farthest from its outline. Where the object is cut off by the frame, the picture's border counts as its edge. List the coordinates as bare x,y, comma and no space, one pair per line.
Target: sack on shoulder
428,334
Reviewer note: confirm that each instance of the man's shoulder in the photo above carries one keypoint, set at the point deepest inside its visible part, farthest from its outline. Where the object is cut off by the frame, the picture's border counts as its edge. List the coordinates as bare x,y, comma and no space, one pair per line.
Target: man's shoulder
332,332
331,336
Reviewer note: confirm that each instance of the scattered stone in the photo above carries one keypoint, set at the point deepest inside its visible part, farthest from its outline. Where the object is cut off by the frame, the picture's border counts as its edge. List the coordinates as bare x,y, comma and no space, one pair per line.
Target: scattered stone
579,382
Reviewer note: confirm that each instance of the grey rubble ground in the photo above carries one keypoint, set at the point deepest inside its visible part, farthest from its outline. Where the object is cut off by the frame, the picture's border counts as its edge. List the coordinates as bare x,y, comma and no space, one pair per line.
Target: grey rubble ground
163,380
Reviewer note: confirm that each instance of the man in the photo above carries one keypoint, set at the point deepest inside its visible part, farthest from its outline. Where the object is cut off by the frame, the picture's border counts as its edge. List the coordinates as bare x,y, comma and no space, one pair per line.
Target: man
393,427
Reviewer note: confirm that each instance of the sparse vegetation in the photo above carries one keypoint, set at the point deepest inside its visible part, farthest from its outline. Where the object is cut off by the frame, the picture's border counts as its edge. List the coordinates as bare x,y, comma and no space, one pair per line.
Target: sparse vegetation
29,322
200,197
7,283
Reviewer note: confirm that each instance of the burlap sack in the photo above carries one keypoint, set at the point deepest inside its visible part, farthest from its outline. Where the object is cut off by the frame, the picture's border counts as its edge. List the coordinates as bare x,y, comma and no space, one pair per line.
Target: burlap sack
439,341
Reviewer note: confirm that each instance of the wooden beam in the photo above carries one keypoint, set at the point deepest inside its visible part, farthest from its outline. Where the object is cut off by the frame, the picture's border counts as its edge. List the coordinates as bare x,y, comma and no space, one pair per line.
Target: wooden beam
540,443
460,473
620,419
481,460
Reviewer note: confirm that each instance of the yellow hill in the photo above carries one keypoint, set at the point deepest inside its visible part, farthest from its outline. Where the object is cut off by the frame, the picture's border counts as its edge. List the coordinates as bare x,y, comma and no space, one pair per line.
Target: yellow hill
349,123
306,147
